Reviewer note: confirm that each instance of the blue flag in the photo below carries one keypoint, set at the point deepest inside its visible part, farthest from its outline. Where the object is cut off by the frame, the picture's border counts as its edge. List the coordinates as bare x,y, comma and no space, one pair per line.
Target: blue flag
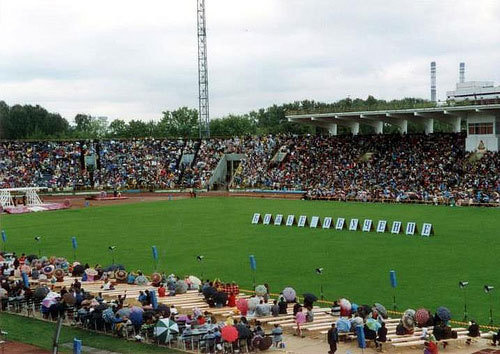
73,242
394,281
77,346
4,236
154,300
253,262
155,253
25,279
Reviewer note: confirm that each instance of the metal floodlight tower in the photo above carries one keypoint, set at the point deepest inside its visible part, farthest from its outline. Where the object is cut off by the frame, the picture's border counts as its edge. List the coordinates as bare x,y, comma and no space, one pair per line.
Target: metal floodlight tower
203,111
433,81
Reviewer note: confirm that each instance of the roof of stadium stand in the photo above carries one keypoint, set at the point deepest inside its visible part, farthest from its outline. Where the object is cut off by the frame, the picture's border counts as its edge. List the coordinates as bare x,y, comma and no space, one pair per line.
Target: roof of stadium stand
396,114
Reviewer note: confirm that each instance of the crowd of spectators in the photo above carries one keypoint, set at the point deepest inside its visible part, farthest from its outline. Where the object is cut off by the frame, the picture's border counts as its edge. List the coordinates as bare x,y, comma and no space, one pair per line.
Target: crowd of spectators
434,168
44,164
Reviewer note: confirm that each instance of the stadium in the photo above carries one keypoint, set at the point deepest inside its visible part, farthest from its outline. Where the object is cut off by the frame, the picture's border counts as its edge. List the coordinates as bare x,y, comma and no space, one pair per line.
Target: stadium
353,226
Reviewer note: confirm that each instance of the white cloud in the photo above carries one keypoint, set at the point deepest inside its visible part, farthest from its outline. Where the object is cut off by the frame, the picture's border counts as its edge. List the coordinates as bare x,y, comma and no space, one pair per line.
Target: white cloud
129,59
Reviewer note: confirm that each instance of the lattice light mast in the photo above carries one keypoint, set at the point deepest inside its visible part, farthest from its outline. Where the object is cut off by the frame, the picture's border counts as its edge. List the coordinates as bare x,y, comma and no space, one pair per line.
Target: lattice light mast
203,106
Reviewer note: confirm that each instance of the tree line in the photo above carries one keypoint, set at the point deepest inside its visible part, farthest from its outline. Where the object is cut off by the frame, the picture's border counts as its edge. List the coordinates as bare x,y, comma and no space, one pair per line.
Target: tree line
35,122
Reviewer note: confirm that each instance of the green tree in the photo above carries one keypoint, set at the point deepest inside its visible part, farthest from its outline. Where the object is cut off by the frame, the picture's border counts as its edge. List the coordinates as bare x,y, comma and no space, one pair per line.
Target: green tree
183,122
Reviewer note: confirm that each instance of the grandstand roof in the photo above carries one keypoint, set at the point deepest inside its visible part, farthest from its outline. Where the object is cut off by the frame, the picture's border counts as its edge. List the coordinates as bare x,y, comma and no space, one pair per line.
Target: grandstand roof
388,115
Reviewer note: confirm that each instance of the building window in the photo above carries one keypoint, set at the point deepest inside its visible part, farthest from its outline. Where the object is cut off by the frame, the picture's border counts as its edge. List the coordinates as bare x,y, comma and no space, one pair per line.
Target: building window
480,128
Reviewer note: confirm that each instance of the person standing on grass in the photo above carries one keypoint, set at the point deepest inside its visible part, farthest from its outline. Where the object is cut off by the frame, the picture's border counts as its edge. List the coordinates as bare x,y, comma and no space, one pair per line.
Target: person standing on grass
333,338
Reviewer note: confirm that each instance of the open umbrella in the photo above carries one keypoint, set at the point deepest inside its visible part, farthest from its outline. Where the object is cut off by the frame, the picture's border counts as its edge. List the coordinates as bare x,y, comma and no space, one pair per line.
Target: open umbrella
242,306
263,310
195,281
91,273
408,319
181,287
443,313
50,299
422,317
69,299
156,278
229,334
141,280
136,315
121,275
373,324
108,315
300,318
309,299
343,325
243,331
260,290
48,270
345,307
289,294
164,328
265,343
382,311
124,312
114,267
252,303
78,270
41,292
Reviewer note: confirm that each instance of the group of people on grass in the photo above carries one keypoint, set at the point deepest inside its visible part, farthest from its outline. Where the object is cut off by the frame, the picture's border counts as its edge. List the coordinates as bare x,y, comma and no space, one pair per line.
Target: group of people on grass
139,315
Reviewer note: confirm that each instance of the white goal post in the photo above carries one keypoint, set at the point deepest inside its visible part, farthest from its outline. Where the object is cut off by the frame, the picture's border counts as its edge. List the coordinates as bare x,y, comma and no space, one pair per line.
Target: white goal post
32,197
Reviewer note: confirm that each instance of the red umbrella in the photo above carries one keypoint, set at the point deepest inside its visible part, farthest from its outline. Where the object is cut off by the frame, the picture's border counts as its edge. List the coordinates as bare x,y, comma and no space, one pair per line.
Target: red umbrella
242,306
229,334
421,317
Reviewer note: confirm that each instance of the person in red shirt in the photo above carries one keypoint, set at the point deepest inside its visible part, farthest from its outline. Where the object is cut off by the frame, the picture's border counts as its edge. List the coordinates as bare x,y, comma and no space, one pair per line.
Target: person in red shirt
200,320
22,259
231,300
161,291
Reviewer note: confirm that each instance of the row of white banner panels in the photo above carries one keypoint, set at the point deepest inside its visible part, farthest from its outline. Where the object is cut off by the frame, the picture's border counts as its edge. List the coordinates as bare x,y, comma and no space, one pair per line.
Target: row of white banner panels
367,225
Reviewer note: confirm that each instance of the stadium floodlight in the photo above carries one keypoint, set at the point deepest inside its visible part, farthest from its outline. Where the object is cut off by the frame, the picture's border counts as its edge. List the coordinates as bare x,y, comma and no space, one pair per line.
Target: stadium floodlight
463,285
112,250
37,240
319,271
488,290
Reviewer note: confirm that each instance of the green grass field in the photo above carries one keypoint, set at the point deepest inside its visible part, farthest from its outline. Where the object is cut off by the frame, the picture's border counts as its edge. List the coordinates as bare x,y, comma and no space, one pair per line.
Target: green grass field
41,333
356,265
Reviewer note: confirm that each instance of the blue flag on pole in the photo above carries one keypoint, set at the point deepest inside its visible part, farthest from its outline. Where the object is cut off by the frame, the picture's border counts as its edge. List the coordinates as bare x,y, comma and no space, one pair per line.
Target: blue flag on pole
394,281
155,253
154,300
25,279
4,236
77,346
73,242
253,262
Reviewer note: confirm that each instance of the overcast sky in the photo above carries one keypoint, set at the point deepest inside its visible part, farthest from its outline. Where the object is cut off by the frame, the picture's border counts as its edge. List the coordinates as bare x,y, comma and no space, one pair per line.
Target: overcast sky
133,59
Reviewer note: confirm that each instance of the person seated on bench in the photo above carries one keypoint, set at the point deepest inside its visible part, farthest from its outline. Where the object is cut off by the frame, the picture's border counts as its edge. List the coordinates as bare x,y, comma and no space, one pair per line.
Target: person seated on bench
283,306
381,336
430,347
335,308
496,338
473,331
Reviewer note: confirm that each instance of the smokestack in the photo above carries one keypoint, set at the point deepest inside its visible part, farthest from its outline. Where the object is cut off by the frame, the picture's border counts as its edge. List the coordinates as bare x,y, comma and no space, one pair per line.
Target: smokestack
433,81
462,73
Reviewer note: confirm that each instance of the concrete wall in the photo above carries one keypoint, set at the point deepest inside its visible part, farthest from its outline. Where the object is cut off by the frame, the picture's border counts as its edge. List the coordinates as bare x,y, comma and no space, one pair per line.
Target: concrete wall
491,141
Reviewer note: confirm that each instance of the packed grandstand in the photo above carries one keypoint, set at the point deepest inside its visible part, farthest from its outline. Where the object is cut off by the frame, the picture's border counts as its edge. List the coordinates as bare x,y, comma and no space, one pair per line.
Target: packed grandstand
433,168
